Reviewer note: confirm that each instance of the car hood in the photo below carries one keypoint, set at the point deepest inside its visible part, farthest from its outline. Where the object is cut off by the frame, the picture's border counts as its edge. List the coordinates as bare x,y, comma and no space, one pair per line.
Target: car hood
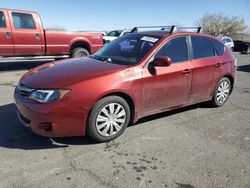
64,73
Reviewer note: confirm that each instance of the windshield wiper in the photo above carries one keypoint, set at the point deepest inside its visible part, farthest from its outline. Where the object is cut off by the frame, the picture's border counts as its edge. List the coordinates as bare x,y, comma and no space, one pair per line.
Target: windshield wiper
101,58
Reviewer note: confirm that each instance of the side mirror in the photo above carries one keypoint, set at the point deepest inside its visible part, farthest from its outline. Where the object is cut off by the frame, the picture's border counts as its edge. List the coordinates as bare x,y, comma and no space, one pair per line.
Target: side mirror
162,61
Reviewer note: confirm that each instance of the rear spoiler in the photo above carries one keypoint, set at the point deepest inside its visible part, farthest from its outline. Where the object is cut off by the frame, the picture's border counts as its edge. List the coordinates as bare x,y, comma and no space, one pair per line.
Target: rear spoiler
172,29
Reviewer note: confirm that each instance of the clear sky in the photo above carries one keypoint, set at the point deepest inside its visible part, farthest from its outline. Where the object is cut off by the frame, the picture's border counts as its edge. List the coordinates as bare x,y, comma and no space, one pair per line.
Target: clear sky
105,15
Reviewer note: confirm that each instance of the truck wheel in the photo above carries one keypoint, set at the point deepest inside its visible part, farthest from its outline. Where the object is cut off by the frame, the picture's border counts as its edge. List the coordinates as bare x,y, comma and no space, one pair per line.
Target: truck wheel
79,52
108,118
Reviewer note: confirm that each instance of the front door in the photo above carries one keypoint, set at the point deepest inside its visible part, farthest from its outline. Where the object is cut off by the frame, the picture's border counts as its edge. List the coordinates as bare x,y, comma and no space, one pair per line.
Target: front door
166,87
26,34
6,40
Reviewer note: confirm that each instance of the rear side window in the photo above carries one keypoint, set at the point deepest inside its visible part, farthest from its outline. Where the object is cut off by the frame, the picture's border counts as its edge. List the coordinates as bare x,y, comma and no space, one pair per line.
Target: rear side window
219,47
227,40
2,20
176,49
202,47
23,21
224,40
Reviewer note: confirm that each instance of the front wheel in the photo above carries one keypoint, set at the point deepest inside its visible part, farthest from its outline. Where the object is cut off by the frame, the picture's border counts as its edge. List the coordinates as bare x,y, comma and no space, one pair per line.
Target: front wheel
108,118
221,92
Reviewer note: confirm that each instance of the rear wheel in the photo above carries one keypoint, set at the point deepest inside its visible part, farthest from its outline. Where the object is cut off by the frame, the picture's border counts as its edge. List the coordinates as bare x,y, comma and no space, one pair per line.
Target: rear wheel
221,92
79,52
108,118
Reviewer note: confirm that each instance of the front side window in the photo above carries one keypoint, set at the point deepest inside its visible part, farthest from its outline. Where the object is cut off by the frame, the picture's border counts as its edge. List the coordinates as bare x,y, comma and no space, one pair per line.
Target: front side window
127,50
23,21
202,47
2,20
176,49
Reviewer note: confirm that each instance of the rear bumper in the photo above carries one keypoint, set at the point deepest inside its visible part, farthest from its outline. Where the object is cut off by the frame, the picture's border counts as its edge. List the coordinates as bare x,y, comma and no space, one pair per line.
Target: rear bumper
59,119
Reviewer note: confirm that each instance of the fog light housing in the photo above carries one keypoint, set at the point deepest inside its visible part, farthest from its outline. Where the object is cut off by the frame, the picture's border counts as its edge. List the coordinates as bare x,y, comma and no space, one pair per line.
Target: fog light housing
46,126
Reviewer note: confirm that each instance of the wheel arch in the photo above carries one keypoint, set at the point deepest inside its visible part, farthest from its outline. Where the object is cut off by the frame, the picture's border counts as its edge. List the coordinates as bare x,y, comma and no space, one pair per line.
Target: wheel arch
80,43
123,95
231,79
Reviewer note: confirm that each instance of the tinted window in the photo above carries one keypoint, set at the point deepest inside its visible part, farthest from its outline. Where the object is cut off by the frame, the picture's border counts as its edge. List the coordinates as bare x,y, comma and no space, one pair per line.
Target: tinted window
2,20
176,49
23,21
218,46
202,47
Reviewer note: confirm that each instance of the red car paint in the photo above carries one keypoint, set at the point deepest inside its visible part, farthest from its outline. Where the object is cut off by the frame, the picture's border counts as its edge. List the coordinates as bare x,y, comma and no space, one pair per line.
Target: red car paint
89,80
37,41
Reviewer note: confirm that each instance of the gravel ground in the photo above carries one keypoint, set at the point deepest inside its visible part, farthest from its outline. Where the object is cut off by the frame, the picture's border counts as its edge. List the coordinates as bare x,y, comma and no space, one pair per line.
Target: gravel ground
196,146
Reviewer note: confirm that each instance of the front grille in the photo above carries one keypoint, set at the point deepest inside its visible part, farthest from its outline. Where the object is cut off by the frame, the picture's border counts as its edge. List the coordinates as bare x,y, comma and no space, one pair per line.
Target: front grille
24,90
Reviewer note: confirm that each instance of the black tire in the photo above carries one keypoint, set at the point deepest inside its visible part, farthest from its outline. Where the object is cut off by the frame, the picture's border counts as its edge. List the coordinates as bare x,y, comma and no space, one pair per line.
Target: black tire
92,123
232,49
79,52
215,101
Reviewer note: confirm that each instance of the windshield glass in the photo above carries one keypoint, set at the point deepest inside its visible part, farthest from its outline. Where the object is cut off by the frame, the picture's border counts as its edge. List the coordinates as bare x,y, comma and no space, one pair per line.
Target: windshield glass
114,33
127,50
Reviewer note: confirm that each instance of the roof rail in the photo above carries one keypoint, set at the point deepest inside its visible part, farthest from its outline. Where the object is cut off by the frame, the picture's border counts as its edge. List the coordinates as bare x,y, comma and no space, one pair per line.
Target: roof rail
172,29
198,29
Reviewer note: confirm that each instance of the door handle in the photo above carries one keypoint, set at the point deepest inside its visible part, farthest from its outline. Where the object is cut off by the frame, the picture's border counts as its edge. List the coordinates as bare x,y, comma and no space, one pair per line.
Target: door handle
8,35
38,36
186,71
218,65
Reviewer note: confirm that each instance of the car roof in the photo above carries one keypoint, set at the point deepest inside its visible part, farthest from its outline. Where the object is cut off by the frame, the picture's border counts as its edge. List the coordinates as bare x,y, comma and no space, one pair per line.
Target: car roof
165,33
17,10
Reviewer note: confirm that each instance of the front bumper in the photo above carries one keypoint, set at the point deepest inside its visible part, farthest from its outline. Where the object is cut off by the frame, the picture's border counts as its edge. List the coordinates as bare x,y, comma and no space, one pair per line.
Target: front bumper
63,118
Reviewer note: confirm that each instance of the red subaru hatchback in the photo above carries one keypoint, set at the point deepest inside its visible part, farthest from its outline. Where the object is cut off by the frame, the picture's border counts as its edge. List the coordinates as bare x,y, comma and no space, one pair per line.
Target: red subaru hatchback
139,74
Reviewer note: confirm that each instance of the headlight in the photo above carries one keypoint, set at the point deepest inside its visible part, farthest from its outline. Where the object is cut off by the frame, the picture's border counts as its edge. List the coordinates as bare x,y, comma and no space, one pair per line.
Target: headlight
44,96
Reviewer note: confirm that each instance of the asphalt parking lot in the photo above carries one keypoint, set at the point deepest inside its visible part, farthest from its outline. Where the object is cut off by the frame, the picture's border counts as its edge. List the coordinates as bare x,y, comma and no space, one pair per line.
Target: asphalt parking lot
196,146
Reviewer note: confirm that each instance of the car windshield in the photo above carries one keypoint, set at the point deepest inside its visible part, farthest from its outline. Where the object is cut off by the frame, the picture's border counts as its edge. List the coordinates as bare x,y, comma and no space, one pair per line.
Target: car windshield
114,33
127,50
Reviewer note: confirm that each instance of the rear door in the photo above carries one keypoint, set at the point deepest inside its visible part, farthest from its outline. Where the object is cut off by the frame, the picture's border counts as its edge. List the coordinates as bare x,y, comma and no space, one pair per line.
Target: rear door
6,40
205,68
26,33
165,87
